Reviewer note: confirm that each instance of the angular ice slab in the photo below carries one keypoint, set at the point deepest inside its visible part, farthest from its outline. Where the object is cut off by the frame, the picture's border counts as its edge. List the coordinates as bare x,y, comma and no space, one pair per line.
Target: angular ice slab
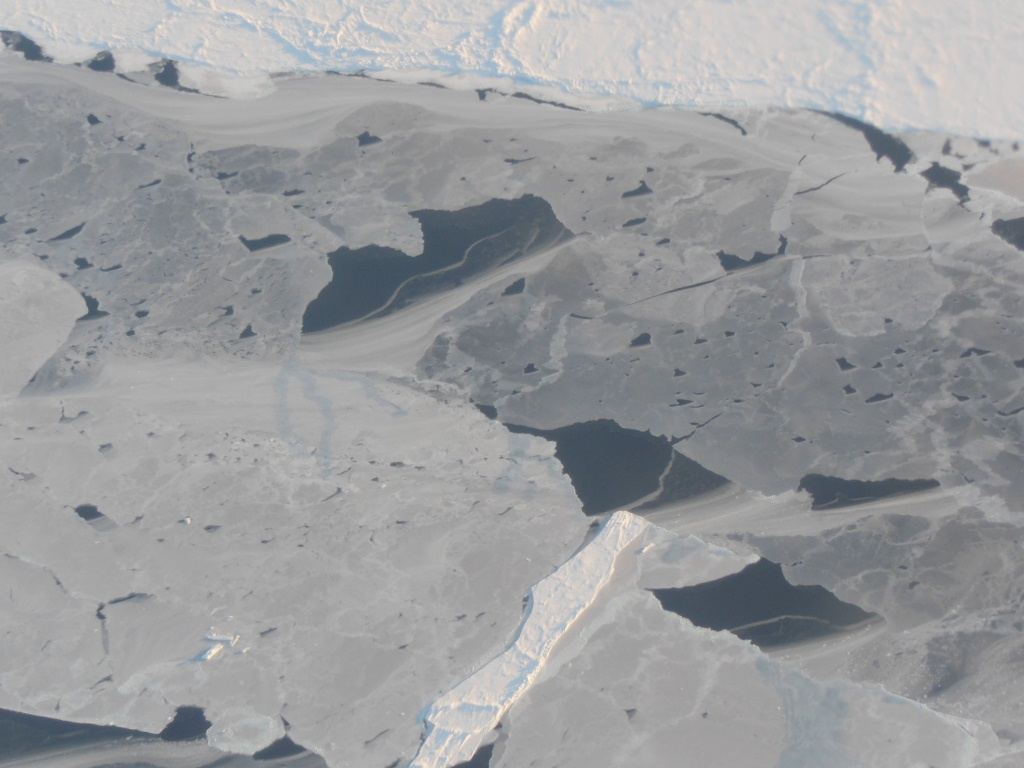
37,312
459,720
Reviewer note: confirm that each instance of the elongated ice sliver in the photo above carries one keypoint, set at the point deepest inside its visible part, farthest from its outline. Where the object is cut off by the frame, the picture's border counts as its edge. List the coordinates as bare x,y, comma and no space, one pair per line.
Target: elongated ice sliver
458,721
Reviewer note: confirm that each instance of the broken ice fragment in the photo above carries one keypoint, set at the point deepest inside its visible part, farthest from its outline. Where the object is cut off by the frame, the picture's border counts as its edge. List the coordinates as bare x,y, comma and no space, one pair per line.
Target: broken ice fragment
458,721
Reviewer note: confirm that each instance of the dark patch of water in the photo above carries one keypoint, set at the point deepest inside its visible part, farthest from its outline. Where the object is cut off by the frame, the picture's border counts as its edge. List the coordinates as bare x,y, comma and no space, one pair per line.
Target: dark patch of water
725,119
879,397
515,288
535,100
643,189
26,47
130,596
365,139
881,143
487,410
189,724
93,311
685,479
166,73
483,93
102,62
376,280
283,747
974,352
816,187
1010,230
759,605
480,759
261,243
609,466
730,262
292,192
91,119
643,340
834,492
97,520
946,178
24,735
635,222
30,737
67,234
247,332
88,512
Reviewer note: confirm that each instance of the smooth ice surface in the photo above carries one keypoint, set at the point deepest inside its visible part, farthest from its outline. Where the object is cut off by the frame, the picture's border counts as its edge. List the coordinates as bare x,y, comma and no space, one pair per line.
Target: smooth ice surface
37,312
944,65
322,534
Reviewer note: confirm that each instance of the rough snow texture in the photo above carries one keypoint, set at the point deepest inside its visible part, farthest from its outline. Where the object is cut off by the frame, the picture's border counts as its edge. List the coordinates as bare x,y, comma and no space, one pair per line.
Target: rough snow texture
943,65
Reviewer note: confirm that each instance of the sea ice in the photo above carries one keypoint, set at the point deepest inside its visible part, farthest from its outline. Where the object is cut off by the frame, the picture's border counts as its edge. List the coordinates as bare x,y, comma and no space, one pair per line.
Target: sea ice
340,504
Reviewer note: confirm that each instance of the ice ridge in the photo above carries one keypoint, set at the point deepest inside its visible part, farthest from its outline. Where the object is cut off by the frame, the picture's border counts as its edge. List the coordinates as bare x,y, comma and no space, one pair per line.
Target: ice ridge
458,721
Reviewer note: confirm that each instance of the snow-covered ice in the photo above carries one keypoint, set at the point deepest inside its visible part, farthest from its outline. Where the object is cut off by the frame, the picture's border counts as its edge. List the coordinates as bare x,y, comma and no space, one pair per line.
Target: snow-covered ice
943,65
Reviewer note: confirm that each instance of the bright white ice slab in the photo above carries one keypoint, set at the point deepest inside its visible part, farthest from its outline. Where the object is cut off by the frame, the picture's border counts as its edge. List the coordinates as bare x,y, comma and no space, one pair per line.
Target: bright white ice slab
943,65
460,719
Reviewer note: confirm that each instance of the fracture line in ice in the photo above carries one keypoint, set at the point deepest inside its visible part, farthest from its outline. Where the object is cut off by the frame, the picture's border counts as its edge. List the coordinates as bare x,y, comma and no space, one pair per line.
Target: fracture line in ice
458,721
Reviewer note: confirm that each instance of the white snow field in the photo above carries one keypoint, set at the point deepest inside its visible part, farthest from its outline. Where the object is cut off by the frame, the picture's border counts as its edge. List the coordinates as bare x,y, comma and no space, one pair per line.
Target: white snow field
944,65
290,386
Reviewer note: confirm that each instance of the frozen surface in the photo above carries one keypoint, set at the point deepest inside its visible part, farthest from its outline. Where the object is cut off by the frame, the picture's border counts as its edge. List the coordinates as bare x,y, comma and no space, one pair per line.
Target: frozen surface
323,535
717,701
944,65
37,312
